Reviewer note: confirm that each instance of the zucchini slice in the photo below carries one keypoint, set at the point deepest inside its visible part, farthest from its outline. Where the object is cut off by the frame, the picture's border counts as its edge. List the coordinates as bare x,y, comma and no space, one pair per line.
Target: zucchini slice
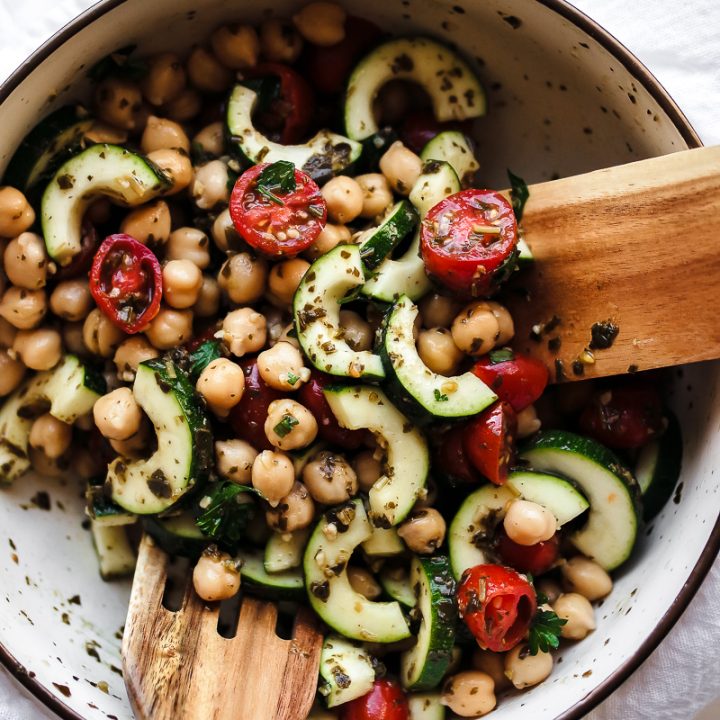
609,535
331,545
324,155
184,442
384,542
395,492
424,665
452,147
419,392
396,584
102,510
316,309
472,529
70,390
525,256
116,557
378,242
453,88
347,671
110,170
285,585
426,706
285,552
406,275
177,534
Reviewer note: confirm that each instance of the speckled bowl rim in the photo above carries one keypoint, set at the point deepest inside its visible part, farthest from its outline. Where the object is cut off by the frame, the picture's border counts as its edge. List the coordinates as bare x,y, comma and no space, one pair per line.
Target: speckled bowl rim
661,96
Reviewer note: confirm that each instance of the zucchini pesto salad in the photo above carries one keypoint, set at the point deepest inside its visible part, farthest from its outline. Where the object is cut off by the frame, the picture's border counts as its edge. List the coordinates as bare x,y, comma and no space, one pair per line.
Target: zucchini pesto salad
247,302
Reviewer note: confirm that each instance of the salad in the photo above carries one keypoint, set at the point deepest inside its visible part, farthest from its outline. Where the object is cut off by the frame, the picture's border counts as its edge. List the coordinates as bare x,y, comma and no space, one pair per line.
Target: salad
252,301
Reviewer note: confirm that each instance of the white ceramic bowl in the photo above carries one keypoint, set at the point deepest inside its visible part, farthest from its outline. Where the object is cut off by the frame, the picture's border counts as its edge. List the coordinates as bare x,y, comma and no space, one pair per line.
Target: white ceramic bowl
564,97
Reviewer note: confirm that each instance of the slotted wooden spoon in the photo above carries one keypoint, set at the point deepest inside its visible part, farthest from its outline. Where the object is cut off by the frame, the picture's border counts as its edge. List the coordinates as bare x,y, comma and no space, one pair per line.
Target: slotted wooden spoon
177,667
637,245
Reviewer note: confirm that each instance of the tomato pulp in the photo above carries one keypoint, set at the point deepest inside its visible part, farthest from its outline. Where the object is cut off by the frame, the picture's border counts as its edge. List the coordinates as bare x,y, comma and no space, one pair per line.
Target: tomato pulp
468,242
488,440
535,559
386,701
126,282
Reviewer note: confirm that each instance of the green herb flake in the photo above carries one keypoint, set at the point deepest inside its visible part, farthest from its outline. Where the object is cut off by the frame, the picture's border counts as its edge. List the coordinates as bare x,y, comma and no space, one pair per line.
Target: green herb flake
440,397
292,378
227,513
545,632
519,194
285,426
278,177
500,356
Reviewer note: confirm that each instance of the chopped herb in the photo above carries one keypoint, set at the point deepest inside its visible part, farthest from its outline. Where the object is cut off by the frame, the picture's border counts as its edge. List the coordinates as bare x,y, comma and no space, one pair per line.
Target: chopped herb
560,371
545,631
440,397
633,368
285,426
202,356
278,177
227,514
351,296
603,335
578,368
199,154
519,194
501,355
118,64
292,378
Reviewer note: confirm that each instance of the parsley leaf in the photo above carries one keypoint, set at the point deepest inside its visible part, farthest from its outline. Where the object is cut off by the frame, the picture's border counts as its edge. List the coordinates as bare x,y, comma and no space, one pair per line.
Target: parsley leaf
440,397
285,426
292,378
501,355
519,194
227,514
544,632
202,356
278,177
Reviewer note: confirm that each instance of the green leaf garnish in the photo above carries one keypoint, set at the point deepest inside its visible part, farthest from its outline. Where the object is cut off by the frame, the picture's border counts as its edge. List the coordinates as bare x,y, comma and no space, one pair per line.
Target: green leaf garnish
227,513
292,378
519,194
501,355
440,397
545,631
278,177
202,356
285,426
118,64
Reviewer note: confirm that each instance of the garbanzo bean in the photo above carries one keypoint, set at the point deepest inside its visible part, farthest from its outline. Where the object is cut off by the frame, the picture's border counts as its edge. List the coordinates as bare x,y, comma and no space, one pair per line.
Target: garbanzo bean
185,106
162,134
26,261
73,341
236,46
188,243
206,72
363,582
476,329
330,237
424,531
211,139
344,199
438,351
329,478
578,612
469,694
401,166
582,575
285,278
12,372
224,234
101,132
243,331
367,468
130,353
176,165
216,576
357,333
39,349
279,42
149,224
528,423
549,588
71,300
294,512
243,277
505,323
210,185
528,523
164,80
117,414
273,476
234,460
493,664
7,333
282,367
290,425
321,23
182,280
524,670
208,300
24,309
118,101
50,435
101,337
438,310
222,384
377,195
16,213
170,328
136,445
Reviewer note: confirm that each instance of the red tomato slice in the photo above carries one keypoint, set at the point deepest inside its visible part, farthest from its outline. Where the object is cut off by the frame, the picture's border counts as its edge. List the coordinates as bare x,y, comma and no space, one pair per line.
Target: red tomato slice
386,701
281,224
468,242
497,604
625,416
488,440
450,461
126,282
419,128
535,559
516,378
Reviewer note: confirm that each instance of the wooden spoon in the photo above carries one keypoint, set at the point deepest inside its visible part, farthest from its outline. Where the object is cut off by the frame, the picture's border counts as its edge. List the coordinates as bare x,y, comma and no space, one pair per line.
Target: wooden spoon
637,245
177,667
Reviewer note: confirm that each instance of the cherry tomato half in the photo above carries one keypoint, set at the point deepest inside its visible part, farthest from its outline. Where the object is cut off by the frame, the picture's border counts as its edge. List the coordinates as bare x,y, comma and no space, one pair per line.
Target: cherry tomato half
126,282
488,441
419,128
625,416
535,559
516,378
468,242
276,223
386,701
450,461
497,604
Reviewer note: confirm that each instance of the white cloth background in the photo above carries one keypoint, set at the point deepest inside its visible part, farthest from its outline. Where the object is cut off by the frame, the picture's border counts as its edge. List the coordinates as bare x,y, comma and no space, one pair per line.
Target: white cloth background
680,43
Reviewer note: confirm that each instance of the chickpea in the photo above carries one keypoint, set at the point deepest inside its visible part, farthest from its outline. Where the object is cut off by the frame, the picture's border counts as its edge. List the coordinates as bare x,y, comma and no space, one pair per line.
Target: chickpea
578,612
130,353
12,372
210,185
438,310
528,422
357,333
401,166
493,664
164,80
330,237
285,337
329,478
176,165
234,460
163,134
224,233
243,277
118,102
188,243
505,323
71,300
48,467
16,213
469,694
426,497
100,336
85,464
290,425
26,261
222,384
50,435
321,23
377,196
475,329
282,367
361,581
72,336
39,349
24,309
344,198
285,277
236,46
182,280
424,531
243,331
117,414
136,445
549,588
216,575
438,351
170,328
273,475
524,670
211,139
206,72
149,224
294,512
185,106
367,468
582,575
208,301
101,132
7,333
279,42
528,523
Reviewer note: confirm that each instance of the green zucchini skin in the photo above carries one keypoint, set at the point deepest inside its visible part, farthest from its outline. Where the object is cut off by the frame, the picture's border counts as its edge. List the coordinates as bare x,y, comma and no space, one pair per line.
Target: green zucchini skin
377,243
285,585
176,535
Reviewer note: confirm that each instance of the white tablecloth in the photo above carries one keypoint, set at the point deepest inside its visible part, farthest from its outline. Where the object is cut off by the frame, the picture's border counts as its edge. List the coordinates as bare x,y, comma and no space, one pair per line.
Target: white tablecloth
680,43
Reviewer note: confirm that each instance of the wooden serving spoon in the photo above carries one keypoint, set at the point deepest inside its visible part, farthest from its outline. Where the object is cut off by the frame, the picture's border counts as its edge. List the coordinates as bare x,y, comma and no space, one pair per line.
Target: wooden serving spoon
178,667
636,246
